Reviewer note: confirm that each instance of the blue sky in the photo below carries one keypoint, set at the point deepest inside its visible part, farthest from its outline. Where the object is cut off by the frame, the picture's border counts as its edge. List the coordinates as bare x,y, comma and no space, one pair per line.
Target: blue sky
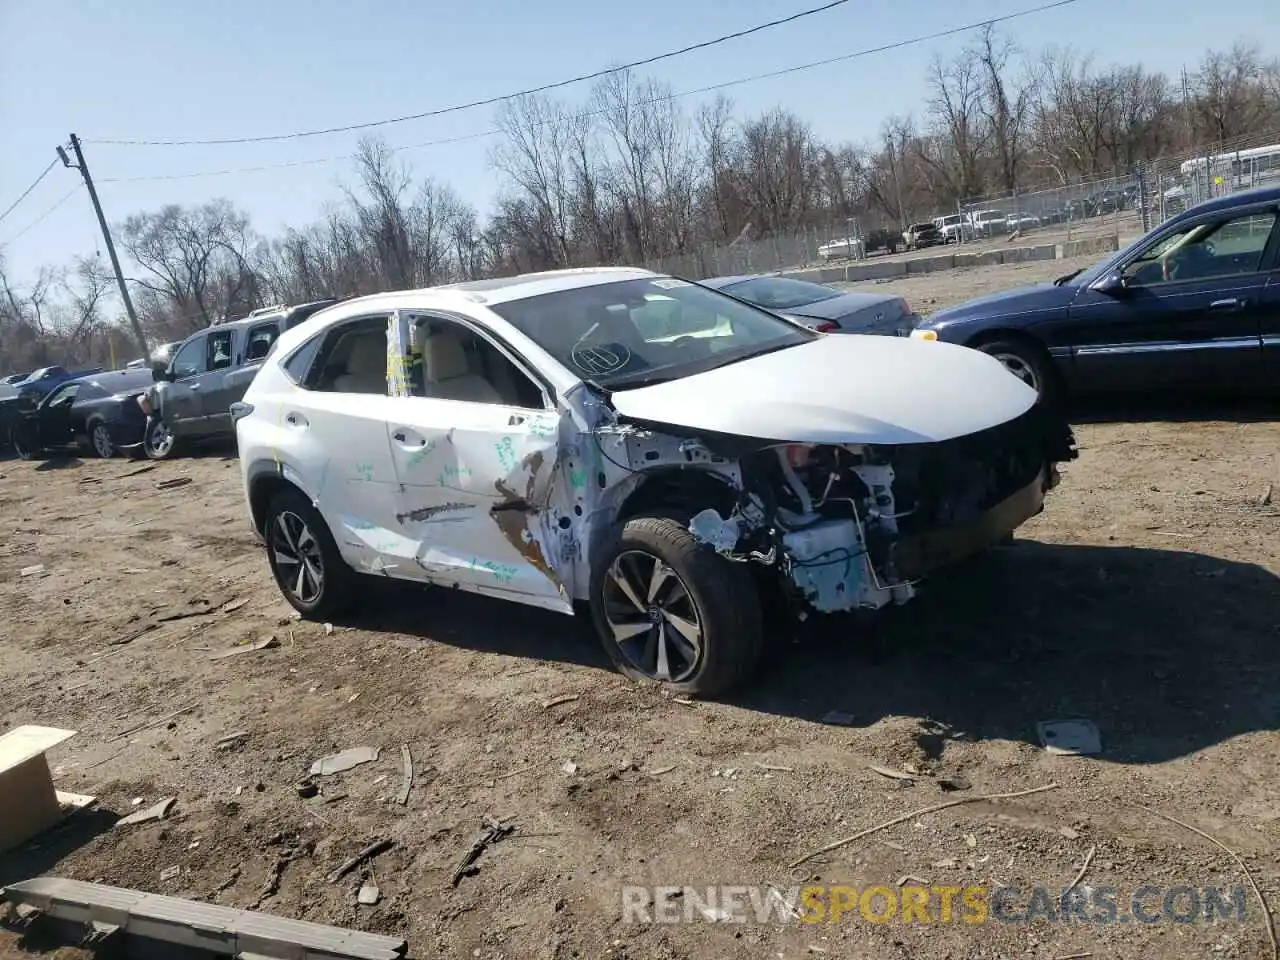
148,69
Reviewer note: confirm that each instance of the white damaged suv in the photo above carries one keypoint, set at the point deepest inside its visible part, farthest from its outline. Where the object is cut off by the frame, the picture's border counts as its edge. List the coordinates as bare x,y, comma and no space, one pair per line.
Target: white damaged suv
661,454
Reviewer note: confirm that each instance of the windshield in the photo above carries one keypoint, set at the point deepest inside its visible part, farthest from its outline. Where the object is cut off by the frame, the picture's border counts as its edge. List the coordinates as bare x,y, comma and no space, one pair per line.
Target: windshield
780,293
643,331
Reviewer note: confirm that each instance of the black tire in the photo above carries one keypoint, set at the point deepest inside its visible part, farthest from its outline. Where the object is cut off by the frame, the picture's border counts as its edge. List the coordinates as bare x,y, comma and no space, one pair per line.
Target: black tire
154,444
1029,363
334,593
720,595
100,439
22,442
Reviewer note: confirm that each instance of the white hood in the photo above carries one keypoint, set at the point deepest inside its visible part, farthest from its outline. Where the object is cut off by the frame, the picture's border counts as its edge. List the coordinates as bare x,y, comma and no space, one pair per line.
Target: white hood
841,389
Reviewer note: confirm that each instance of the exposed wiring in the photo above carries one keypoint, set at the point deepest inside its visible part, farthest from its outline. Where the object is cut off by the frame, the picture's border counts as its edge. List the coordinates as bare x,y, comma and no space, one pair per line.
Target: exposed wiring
595,435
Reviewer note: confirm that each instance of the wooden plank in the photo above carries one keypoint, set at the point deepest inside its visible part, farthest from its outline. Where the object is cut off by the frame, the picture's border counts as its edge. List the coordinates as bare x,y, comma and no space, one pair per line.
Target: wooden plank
221,930
22,743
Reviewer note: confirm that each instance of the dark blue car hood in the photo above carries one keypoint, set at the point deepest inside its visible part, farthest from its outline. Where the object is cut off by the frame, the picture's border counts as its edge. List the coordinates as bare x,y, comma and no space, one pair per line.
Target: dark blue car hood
1017,302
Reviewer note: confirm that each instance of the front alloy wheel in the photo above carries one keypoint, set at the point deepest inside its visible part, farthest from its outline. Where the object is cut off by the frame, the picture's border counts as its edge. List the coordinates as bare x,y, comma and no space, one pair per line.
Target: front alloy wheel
652,617
158,441
670,610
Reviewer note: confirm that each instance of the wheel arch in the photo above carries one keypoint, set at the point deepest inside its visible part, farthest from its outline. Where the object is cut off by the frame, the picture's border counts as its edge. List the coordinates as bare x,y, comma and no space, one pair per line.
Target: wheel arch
1056,375
678,488
266,481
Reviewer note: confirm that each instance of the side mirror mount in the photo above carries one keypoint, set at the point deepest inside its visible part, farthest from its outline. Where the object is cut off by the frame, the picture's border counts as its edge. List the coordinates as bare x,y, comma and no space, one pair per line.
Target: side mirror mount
160,371
1114,284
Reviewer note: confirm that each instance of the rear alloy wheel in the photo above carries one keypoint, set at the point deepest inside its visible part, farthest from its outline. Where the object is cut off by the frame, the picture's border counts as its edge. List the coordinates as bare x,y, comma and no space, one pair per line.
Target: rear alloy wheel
100,440
304,558
670,610
158,441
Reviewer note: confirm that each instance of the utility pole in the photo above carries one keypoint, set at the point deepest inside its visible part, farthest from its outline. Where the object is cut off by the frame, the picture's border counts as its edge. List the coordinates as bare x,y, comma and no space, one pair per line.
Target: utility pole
106,235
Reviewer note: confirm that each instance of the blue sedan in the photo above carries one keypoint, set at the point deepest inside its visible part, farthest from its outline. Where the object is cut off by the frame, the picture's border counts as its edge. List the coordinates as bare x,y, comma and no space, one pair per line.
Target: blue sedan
821,307
1192,306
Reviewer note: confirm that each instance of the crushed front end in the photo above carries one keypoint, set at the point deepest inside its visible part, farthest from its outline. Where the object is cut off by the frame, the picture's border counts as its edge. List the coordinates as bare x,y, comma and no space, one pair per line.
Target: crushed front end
857,526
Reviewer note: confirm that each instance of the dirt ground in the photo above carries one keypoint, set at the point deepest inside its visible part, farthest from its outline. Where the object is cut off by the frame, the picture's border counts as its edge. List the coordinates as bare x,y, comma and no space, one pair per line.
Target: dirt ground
927,292
1146,598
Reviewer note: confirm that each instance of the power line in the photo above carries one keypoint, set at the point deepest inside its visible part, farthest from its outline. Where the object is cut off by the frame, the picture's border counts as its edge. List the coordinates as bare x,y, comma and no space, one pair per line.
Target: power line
857,54
25,192
44,216
490,101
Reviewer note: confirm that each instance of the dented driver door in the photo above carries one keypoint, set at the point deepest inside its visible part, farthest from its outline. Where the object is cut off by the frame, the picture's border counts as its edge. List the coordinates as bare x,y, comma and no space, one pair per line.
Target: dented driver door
474,467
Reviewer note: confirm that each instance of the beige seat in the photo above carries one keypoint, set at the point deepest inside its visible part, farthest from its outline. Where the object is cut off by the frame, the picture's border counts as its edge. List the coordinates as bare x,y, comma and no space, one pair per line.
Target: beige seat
447,373
366,370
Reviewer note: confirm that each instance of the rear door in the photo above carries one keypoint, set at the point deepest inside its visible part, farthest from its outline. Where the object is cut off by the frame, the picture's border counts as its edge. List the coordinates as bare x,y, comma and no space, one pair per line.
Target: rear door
1190,315
251,346
181,405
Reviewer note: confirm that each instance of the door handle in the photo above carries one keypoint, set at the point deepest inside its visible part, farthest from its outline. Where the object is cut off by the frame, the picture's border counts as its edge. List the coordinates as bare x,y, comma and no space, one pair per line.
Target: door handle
296,420
193,386
408,439
1230,303
515,420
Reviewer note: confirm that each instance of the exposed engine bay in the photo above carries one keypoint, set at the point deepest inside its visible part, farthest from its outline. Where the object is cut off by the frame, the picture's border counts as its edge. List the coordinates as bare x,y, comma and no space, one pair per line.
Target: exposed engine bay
857,526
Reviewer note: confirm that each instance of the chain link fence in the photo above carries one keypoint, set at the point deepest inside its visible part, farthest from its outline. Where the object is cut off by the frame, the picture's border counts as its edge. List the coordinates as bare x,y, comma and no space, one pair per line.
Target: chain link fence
1172,184
1124,206
1100,206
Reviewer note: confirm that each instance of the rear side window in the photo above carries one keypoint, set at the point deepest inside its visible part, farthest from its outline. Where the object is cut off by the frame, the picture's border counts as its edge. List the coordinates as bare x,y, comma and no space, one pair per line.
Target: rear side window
353,359
260,341
348,358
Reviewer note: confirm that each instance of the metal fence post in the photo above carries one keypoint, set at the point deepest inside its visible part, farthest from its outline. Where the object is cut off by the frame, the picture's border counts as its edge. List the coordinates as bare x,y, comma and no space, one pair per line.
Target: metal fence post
1142,197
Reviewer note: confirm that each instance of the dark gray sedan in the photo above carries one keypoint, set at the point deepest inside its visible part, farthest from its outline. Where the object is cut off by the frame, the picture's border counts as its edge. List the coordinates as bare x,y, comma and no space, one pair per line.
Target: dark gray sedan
821,307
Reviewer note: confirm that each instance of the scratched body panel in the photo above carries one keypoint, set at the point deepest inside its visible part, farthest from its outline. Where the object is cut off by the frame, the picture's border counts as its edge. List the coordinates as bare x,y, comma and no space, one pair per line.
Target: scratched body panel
470,495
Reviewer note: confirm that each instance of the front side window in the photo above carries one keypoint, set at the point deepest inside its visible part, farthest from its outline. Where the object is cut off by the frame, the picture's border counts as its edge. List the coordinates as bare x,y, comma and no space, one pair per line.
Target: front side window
63,396
1201,251
190,360
460,364
780,293
220,350
634,332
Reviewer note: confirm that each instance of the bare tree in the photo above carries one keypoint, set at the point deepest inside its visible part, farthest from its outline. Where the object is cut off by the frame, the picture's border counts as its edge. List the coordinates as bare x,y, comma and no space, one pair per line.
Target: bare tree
533,155
955,110
194,261
383,217
1230,99
1005,106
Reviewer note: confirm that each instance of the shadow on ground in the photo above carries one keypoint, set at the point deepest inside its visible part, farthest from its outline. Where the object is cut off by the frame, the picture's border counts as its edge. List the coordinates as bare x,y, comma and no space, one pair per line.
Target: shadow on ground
478,623
1168,652
45,852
